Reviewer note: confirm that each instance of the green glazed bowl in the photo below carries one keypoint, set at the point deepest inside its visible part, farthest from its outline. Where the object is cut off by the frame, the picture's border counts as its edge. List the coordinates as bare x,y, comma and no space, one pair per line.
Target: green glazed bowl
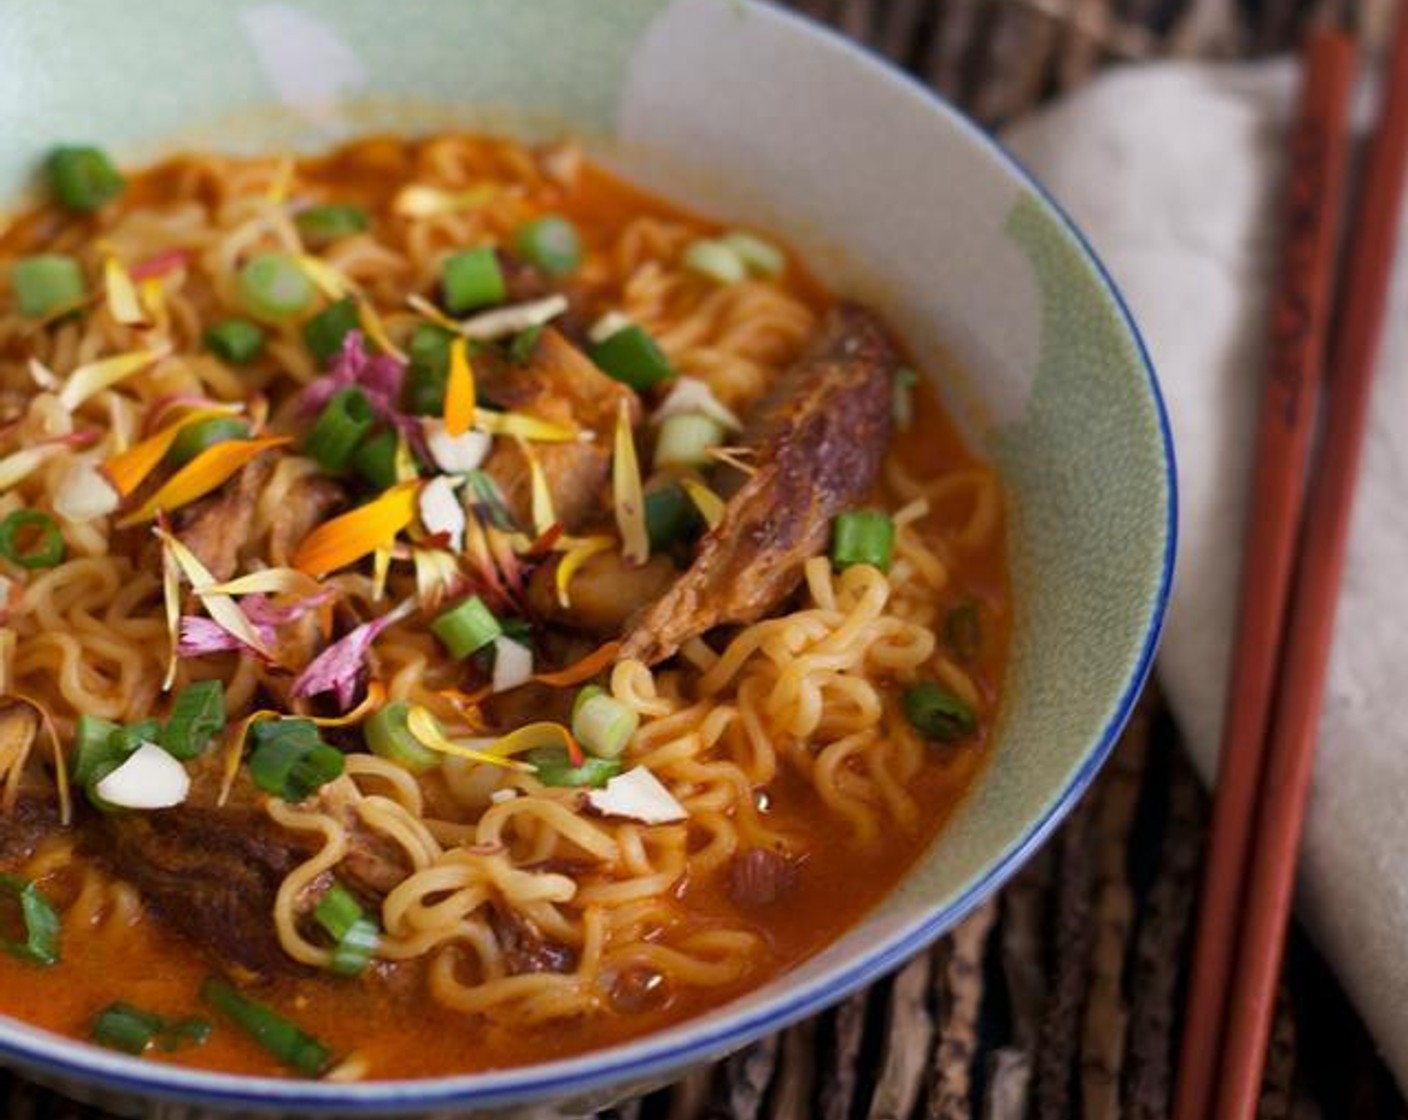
754,116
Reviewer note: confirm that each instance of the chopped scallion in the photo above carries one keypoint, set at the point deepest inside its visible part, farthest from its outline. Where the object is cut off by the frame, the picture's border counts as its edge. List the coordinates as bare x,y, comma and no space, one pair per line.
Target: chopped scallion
322,225
471,280
862,536
429,350
47,283
197,716
632,356
685,441
602,724
716,260
290,759
520,350
127,739
324,333
554,768
203,434
354,933
550,242
375,460
92,746
120,1026
466,627
83,178
388,736
286,1042
937,714
31,539
761,257
39,918
670,516
236,341
274,287
340,427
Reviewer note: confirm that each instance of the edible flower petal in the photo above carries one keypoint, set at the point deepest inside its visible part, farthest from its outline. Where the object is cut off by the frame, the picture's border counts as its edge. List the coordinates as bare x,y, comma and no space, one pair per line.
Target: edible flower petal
200,636
459,392
326,278
627,492
343,540
221,608
709,504
527,427
428,732
159,264
583,670
123,304
273,581
378,376
208,470
376,330
127,469
94,377
577,554
338,669
544,515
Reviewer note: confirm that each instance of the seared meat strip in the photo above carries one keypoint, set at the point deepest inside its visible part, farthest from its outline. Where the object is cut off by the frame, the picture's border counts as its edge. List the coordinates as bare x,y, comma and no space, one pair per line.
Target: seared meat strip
308,503
560,384
818,437
218,527
33,818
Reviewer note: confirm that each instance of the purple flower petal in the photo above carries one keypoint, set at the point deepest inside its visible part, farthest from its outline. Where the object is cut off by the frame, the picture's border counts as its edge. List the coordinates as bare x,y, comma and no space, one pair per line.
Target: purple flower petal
338,669
199,636
260,610
379,376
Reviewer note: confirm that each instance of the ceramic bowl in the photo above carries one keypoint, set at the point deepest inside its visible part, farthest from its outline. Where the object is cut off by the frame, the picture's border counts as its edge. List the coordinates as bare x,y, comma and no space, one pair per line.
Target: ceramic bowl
756,116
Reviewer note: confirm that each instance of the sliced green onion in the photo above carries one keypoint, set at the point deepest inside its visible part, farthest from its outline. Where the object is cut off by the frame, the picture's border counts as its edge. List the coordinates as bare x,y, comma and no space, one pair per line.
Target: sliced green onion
197,716
100,759
554,768
291,761
550,242
670,516
466,627
356,935
761,257
236,341
963,632
322,225
686,439
83,178
92,746
472,280
632,356
127,739
190,441
520,350
120,1026
388,736
862,536
41,923
375,460
340,427
274,287
716,260
429,350
46,283
602,724
31,539
324,333
937,714
286,1042
430,347
902,398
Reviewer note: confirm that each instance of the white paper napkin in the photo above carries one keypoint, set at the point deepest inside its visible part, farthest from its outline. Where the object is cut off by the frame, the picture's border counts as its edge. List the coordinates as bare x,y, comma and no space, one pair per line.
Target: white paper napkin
1173,171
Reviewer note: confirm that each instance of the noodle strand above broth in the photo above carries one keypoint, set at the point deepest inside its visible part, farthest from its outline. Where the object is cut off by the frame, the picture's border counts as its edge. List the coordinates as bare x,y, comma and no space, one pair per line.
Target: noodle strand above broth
459,609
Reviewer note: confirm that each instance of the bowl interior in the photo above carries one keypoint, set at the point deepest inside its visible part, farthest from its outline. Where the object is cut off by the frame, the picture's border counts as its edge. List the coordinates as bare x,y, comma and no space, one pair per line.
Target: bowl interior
752,115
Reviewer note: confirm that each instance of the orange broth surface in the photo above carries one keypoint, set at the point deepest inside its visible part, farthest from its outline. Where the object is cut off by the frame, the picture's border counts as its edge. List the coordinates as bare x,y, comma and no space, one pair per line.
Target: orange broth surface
385,1016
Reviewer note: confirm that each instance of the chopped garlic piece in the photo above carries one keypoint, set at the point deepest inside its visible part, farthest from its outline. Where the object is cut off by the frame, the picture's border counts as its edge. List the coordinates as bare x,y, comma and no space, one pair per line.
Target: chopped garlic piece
441,511
456,454
82,493
149,779
637,795
504,321
690,396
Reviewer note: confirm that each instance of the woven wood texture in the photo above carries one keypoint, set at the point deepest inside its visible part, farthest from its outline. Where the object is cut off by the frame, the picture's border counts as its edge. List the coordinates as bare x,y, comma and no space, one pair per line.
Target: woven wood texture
1059,998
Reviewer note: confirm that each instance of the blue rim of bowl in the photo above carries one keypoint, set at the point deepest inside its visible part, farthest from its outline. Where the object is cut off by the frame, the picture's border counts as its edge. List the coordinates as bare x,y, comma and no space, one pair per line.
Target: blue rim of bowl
643,1061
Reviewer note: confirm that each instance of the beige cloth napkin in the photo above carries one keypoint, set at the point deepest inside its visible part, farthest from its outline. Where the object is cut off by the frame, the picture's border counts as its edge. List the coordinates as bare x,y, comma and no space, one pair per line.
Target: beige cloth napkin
1173,171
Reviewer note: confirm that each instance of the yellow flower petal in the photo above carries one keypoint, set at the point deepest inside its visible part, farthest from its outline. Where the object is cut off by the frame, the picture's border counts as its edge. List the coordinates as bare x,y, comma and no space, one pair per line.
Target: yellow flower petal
428,732
123,304
628,495
577,555
544,515
19,465
709,504
127,470
271,581
94,377
326,279
459,391
433,313
517,424
343,540
208,470
375,329
221,608
171,596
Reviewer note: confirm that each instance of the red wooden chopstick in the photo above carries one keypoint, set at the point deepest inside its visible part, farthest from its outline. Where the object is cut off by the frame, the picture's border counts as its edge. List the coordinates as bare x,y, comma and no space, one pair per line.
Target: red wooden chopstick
1300,318
1295,721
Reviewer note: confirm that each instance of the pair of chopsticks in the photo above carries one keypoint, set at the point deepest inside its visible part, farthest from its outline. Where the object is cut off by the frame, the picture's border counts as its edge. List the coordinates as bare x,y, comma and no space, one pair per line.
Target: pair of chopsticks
1292,567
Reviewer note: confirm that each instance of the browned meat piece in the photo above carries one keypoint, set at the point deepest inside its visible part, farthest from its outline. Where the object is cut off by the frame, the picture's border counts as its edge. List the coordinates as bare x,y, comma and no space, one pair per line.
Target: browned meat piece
524,282
760,877
308,503
525,947
819,437
32,819
605,592
213,875
560,384
218,527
